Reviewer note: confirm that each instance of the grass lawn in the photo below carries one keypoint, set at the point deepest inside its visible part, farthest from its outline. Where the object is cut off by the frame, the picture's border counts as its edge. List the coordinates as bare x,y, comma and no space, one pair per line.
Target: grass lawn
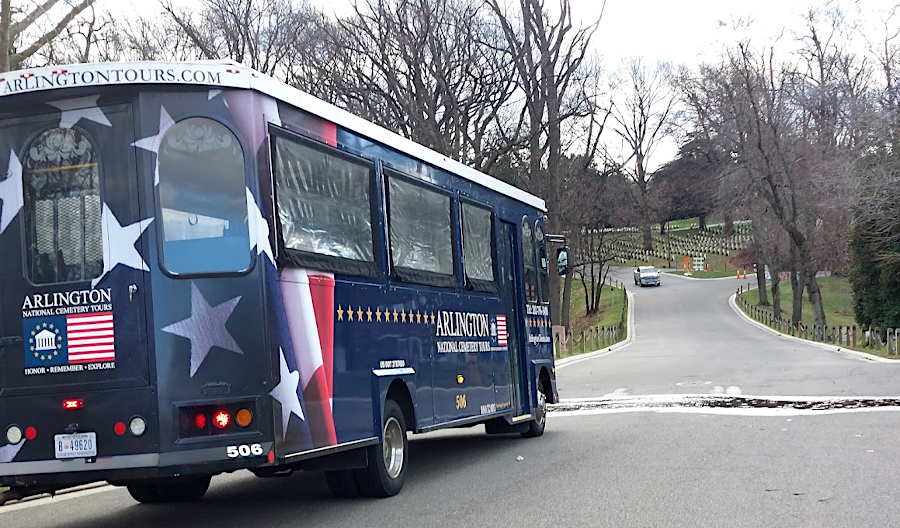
611,302
714,274
837,299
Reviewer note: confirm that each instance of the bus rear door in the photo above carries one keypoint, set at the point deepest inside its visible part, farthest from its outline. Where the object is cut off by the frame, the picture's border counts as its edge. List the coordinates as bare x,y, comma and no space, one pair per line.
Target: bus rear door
72,283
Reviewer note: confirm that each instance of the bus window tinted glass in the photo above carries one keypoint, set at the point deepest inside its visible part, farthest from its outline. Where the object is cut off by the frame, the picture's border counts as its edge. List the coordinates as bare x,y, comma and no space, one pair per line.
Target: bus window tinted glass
528,259
479,256
323,202
421,237
543,263
61,185
203,199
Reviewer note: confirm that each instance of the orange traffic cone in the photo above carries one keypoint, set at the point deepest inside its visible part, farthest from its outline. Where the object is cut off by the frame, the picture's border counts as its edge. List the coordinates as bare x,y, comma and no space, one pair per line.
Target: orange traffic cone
745,274
737,274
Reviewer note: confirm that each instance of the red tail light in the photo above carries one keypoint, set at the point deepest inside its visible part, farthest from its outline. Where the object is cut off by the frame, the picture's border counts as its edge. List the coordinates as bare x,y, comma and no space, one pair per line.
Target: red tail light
71,405
31,433
221,419
119,428
200,421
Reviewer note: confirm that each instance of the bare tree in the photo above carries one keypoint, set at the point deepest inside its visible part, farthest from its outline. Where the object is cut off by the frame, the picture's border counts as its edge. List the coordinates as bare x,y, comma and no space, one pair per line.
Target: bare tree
643,115
261,34
27,27
435,71
549,56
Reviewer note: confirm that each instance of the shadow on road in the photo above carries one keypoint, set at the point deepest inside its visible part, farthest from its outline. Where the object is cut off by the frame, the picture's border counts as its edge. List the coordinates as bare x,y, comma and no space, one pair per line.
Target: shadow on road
244,500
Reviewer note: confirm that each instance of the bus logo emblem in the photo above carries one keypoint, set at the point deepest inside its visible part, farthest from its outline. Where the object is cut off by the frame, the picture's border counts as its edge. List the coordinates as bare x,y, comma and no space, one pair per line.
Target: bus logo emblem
45,342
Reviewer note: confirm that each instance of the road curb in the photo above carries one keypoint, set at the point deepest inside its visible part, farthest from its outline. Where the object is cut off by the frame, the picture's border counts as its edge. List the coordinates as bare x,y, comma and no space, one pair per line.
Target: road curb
852,354
749,276
560,363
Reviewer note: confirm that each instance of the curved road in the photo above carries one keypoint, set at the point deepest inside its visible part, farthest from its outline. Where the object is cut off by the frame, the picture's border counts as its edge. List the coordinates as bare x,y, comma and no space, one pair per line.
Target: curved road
611,467
689,340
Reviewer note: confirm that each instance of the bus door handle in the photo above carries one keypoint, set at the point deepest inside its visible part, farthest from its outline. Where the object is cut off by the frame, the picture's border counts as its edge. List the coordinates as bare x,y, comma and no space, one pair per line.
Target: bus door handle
10,341
132,289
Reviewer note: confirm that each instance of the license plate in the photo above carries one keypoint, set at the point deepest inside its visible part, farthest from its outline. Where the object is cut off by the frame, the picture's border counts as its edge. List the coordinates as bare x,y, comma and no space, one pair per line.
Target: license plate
79,445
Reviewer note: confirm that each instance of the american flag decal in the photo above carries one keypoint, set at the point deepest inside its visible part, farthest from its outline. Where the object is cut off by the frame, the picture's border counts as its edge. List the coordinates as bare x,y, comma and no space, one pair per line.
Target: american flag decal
501,330
91,337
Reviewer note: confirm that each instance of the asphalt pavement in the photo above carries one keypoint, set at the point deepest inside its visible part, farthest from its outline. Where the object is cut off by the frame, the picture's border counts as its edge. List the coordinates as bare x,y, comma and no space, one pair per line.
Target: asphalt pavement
677,465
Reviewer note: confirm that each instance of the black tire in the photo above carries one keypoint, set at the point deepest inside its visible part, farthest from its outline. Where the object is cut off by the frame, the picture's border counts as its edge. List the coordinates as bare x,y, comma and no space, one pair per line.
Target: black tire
342,483
144,492
539,420
388,459
176,489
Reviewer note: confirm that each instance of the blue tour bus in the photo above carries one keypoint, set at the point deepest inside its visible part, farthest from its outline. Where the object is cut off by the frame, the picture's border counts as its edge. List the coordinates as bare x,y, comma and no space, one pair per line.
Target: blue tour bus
203,269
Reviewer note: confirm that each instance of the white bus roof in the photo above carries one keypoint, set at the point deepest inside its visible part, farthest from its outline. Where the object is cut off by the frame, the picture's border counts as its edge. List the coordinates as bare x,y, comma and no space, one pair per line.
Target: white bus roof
233,75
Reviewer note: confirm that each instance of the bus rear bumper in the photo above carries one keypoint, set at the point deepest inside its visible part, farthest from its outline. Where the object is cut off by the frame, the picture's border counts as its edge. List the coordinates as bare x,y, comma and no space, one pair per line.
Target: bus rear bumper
65,473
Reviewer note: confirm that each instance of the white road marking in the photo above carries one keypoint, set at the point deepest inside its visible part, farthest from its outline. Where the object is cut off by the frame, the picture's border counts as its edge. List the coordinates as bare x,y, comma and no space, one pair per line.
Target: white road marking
725,411
688,404
734,391
718,389
619,393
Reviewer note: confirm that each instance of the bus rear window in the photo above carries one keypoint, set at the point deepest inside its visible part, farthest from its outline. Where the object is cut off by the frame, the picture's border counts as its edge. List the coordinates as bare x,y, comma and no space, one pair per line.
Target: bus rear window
202,199
62,208
324,206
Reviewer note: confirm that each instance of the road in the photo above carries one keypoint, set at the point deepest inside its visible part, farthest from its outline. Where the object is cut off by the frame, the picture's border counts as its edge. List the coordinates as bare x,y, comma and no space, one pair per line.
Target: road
606,467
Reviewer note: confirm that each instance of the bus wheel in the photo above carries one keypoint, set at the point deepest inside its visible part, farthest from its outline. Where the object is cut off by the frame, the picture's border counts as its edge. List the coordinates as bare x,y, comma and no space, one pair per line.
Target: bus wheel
388,460
177,489
539,421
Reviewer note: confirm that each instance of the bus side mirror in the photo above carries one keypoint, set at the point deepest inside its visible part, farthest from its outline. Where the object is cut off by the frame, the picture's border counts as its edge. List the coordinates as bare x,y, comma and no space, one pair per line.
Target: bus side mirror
562,261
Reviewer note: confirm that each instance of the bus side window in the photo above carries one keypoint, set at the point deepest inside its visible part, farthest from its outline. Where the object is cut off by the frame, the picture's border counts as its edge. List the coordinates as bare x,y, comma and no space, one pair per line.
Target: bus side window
478,251
421,234
528,259
63,233
324,206
543,263
202,199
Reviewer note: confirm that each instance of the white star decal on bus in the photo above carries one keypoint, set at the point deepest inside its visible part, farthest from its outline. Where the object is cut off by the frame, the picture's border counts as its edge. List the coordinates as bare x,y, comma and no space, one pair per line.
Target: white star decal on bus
118,243
74,110
152,143
206,328
11,197
259,229
285,393
9,452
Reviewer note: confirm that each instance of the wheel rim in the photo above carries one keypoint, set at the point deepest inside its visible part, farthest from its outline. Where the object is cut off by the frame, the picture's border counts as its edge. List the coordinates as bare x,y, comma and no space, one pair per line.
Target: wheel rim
393,447
541,410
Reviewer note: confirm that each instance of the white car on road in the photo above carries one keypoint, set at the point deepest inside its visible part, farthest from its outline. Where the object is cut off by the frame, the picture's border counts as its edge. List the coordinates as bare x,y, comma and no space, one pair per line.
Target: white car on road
645,275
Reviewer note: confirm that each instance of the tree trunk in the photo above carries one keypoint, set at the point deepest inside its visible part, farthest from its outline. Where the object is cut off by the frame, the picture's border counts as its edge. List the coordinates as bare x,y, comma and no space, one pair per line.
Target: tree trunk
5,22
761,283
729,225
797,281
815,299
662,228
776,294
566,300
648,235
702,221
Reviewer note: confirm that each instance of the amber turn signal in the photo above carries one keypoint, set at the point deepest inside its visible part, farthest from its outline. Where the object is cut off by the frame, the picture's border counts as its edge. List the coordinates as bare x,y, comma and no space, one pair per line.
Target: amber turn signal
244,417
